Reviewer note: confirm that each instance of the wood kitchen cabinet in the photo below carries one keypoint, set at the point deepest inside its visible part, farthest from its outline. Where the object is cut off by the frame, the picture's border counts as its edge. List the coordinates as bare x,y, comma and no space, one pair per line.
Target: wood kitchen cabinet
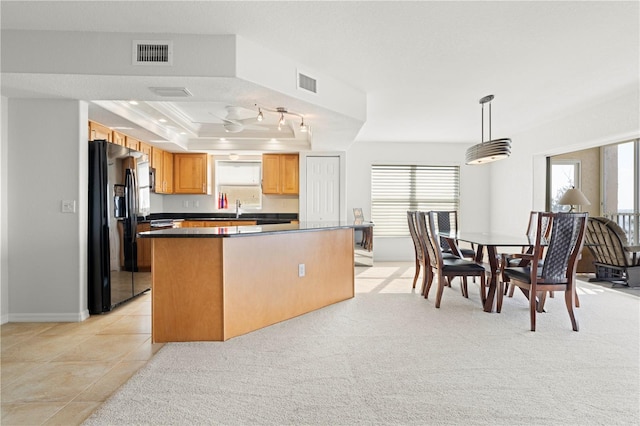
162,162
167,172
145,149
144,248
118,138
131,143
97,132
191,174
280,174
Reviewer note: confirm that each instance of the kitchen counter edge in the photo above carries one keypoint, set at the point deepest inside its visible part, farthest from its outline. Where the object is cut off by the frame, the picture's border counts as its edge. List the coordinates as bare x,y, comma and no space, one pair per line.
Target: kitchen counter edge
237,231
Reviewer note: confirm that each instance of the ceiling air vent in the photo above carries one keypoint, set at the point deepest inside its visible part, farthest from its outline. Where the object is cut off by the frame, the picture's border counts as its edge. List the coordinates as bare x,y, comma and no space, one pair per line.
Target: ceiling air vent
153,52
307,83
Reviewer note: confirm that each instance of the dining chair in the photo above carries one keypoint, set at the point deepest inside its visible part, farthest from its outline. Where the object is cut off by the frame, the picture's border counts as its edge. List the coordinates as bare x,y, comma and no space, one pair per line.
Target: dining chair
412,218
559,262
447,221
515,259
447,267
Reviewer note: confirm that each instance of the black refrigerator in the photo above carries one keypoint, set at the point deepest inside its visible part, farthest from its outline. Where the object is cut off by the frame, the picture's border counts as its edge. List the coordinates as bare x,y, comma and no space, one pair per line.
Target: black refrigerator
119,196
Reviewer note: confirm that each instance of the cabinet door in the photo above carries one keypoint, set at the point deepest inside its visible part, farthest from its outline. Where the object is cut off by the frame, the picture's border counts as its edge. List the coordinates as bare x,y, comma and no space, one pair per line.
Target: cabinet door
132,143
118,138
167,172
144,248
156,162
190,173
270,174
98,131
289,179
145,149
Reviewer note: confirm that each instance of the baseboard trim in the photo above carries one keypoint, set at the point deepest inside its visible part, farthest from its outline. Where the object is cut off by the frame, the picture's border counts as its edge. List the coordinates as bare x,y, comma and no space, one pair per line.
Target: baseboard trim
49,317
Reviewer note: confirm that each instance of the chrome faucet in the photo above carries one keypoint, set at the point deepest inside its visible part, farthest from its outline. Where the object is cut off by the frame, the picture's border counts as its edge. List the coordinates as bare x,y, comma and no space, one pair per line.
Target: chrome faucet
238,208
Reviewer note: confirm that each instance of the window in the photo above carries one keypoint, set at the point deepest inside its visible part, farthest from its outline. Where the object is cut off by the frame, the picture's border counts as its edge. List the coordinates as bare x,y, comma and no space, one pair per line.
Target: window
239,180
565,174
398,188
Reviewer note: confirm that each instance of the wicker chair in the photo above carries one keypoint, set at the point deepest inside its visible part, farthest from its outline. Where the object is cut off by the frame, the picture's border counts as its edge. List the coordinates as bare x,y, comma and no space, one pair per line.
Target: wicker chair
615,260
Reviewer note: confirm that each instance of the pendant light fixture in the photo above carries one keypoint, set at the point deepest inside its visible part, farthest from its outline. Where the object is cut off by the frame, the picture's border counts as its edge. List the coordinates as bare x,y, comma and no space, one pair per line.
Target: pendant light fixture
492,150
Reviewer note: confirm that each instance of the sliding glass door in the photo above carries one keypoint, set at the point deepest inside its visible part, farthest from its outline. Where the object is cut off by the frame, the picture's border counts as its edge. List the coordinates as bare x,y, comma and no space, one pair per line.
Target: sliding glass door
621,186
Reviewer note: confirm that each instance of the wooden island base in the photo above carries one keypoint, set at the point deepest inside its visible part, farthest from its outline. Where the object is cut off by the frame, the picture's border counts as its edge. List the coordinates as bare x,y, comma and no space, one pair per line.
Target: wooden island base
213,289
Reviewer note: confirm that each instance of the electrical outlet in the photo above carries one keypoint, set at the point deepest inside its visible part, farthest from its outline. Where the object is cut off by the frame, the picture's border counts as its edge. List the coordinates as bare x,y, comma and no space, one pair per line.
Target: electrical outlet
301,270
68,206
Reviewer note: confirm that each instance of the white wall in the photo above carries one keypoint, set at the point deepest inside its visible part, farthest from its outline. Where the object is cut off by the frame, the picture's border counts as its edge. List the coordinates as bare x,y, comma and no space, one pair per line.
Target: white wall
4,248
47,159
518,183
475,195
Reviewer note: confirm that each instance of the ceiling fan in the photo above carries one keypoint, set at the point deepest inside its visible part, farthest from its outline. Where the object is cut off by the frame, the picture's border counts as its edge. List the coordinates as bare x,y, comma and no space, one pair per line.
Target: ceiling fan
234,123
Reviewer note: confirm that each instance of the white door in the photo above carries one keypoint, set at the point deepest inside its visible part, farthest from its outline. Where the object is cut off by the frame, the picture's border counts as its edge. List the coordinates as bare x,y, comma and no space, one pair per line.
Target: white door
323,189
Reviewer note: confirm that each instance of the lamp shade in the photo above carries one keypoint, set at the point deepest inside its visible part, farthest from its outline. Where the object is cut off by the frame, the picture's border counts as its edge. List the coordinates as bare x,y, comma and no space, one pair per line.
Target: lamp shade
574,197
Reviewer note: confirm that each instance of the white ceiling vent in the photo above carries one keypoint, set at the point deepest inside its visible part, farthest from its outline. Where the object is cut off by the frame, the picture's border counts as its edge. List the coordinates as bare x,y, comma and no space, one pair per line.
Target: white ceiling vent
153,52
307,83
171,92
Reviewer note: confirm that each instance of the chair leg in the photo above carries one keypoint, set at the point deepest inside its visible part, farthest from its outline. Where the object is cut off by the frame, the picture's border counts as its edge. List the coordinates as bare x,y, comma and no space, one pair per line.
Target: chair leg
568,300
430,276
532,310
542,297
463,287
577,301
511,289
440,289
483,289
415,277
500,296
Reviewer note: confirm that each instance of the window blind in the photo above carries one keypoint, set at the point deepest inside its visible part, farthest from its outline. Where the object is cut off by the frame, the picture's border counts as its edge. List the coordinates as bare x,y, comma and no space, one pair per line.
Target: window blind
398,188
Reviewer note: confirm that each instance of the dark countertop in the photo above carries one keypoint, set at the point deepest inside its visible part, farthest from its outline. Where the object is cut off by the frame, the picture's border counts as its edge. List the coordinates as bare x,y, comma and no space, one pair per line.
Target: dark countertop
236,231
260,218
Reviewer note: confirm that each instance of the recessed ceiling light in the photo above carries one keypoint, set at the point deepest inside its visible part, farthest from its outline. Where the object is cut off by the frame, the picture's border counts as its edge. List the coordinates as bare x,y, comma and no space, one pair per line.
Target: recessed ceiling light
122,128
183,133
162,120
133,102
223,139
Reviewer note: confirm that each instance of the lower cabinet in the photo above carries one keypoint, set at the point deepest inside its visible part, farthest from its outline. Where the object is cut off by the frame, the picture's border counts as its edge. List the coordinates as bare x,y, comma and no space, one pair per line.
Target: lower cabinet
144,248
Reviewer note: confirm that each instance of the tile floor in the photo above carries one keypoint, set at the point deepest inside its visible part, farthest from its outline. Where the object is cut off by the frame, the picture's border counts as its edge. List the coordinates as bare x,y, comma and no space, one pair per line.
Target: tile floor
59,373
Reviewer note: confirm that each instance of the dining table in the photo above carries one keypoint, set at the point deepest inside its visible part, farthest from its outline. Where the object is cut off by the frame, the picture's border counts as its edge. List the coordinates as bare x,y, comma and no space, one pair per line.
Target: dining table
489,241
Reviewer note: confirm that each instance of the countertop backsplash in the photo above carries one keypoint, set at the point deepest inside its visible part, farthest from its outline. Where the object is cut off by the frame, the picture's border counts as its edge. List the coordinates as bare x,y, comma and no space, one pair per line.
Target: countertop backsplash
207,204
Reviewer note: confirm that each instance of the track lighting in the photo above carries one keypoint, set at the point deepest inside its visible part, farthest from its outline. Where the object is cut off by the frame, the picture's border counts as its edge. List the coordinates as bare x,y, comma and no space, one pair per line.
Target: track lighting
282,120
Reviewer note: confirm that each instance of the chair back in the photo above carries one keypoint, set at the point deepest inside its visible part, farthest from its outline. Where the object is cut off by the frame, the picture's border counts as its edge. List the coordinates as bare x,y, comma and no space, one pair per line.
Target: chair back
412,223
431,237
565,244
532,228
606,241
446,221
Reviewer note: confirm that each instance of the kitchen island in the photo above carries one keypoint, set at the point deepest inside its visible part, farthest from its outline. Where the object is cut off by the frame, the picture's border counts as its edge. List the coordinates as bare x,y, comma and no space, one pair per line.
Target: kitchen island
212,284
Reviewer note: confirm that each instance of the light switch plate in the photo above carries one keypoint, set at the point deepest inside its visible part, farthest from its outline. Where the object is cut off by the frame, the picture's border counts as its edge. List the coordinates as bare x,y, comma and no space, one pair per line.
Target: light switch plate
301,270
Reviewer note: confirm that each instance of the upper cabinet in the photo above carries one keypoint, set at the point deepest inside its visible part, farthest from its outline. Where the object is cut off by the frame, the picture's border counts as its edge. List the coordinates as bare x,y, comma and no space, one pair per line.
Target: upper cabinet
132,143
162,162
99,132
118,138
145,149
191,174
280,174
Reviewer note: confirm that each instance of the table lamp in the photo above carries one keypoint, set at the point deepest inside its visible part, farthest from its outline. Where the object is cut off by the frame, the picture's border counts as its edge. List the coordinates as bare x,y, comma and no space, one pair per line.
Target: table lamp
573,197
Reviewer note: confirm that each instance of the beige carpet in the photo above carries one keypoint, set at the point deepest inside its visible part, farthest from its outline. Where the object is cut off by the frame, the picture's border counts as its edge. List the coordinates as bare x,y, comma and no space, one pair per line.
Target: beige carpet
390,357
